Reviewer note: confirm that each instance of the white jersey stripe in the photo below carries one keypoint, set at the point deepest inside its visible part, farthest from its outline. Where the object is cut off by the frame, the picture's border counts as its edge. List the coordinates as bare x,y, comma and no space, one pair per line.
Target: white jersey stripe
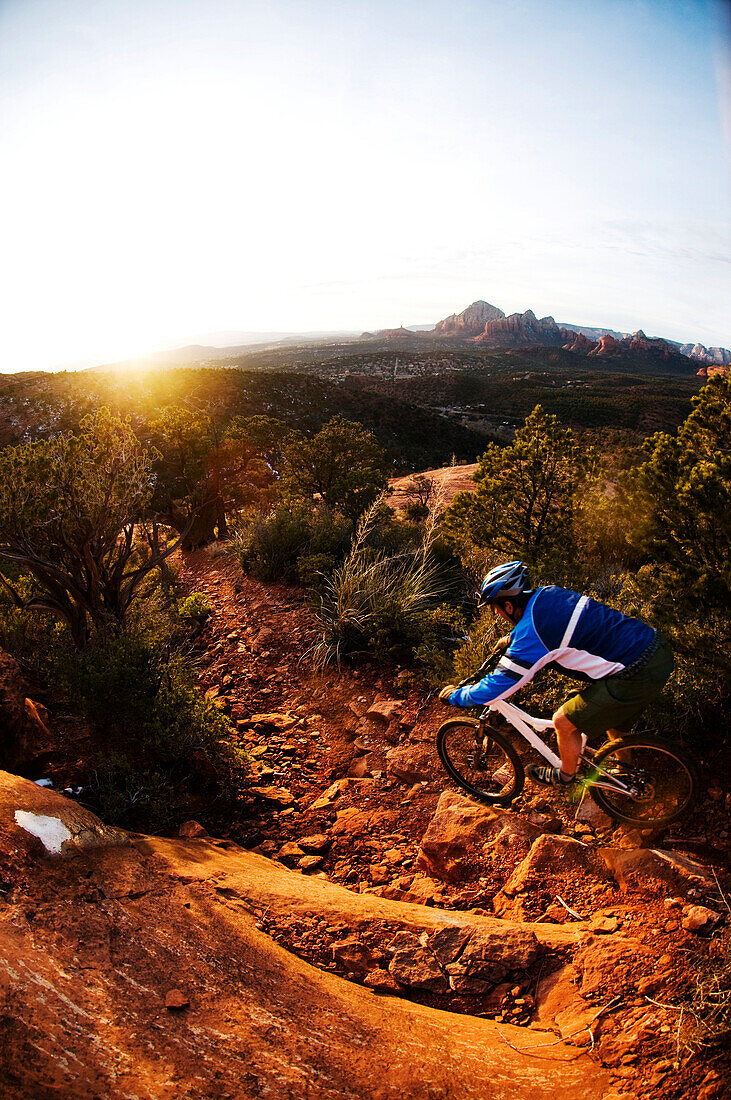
571,626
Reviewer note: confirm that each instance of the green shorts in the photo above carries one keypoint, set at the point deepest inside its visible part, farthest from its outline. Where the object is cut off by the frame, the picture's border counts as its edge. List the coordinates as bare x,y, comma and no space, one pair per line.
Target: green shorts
616,704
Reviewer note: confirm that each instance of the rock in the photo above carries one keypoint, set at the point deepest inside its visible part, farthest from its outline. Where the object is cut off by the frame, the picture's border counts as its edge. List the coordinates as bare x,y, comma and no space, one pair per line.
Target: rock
318,842
333,793
488,956
290,853
412,763
24,732
353,956
462,836
382,981
414,966
274,720
176,999
590,814
191,829
47,824
373,763
700,919
310,863
551,861
650,870
384,710
279,795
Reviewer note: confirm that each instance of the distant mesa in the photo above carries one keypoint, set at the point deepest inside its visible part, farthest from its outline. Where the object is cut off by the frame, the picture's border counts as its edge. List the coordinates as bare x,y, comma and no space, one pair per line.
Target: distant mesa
394,333
724,369
718,357
581,344
521,330
470,322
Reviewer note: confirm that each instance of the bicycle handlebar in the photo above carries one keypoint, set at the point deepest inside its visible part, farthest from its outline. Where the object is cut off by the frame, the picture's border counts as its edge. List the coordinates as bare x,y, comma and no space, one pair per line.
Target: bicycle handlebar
477,675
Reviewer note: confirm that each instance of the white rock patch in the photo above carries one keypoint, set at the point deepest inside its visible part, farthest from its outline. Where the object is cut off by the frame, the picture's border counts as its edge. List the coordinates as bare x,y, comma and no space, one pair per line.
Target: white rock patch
51,831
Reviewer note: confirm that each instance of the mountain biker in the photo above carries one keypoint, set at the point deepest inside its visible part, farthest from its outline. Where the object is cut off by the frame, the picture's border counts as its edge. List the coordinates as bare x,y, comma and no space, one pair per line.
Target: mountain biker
625,662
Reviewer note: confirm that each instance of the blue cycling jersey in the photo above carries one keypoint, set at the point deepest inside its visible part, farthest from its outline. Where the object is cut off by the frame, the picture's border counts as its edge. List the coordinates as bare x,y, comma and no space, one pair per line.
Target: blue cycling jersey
561,629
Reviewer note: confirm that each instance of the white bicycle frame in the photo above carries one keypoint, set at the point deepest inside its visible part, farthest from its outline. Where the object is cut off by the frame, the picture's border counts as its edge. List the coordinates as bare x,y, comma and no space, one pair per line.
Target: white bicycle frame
528,726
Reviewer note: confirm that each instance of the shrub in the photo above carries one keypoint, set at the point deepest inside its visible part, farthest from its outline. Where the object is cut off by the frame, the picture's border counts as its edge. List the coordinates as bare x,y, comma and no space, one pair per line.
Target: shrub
271,546
378,601
195,608
168,739
524,502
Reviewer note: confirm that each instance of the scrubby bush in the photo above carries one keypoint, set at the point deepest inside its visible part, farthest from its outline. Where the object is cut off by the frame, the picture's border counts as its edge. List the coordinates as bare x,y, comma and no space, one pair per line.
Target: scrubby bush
169,741
195,608
382,602
281,544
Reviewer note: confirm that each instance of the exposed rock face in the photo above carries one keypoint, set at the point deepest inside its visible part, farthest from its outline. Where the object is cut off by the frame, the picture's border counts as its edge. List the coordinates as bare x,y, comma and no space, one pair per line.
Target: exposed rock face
463,837
126,967
521,330
581,344
22,730
607,345
651,871
719,357
470,322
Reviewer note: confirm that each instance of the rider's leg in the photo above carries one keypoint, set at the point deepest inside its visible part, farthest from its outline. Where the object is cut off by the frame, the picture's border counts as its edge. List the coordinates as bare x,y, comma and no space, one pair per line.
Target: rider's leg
570,741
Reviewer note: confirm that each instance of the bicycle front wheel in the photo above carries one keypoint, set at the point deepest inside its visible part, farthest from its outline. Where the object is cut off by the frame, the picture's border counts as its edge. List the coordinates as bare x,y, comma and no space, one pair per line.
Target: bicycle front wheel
643,781
480,760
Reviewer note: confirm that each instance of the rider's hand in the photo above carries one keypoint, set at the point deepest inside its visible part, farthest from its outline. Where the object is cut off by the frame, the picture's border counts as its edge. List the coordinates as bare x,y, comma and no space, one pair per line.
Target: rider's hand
446,692
503,643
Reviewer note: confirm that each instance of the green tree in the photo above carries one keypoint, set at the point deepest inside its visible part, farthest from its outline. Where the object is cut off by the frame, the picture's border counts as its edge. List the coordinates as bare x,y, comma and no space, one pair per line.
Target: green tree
687,482
201,475
72,516
342,465
525,494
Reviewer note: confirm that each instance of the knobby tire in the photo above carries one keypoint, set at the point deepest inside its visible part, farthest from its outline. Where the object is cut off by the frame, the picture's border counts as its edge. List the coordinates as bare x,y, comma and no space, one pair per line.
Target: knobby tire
672,781
455,750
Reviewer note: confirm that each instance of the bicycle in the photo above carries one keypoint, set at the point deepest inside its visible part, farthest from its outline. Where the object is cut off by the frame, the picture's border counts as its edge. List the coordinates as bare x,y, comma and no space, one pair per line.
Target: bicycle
638,780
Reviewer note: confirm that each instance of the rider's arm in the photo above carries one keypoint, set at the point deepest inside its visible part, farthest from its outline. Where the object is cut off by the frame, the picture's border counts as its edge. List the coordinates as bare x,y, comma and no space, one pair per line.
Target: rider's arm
496,685
525,655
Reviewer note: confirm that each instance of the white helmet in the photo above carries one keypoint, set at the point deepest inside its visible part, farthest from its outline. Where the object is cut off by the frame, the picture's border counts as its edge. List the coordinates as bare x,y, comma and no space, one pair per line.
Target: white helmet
504,581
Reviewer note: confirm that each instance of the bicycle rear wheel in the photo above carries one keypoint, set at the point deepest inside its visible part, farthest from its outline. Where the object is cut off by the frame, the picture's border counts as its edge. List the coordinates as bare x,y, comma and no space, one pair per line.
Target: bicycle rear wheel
659,782
480,760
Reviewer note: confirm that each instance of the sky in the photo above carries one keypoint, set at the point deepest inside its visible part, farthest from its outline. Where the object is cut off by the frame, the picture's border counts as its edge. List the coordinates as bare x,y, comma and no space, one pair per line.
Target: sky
173,169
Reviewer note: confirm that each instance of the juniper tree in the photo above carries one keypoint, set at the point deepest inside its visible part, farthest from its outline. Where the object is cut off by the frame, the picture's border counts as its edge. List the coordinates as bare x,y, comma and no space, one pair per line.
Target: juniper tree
74,516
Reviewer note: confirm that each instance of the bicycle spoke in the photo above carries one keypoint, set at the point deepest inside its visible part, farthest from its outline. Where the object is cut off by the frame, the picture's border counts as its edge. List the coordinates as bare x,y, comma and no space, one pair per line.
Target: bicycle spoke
644,783
480,761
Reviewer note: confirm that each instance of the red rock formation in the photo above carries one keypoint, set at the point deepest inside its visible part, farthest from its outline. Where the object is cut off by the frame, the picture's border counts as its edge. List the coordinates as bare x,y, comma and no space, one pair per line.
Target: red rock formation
22,730
521,330
470,322
606,346
581,344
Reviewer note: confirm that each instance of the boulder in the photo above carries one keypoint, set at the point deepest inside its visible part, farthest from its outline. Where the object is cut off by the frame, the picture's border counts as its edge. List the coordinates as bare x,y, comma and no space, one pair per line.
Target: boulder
411,763
415,966
191,829
44,823
463,837
650,870
552,863
698,918
23,732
